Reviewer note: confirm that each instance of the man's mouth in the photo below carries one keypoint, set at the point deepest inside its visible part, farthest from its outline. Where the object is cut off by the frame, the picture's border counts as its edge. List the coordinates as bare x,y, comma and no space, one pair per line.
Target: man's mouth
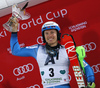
50,39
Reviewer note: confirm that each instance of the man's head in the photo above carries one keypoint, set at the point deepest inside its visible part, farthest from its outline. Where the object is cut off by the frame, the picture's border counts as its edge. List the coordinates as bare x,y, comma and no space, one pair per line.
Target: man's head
51,32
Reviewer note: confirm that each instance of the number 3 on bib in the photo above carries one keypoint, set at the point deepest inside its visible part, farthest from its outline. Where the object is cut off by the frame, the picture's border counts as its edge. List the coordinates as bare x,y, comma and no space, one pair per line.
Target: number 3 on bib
51,72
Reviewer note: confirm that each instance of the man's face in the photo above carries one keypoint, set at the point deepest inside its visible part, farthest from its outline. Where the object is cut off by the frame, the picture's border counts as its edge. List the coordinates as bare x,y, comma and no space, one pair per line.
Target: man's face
51,37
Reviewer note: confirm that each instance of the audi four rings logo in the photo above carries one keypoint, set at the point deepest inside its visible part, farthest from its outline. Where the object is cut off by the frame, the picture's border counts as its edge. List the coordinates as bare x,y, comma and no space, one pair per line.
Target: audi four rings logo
89,46
96,68
1,77
23,69
35,86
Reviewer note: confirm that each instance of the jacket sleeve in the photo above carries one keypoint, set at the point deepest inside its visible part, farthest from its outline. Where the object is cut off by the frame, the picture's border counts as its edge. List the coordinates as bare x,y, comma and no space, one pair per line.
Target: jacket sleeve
25,51
89,74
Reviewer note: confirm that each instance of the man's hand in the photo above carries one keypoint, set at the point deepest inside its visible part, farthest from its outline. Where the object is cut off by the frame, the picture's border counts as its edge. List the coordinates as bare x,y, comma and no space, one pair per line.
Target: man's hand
14,24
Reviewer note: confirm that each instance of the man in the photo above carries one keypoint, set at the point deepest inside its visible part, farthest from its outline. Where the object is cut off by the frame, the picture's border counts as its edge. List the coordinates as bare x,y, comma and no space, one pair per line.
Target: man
52,58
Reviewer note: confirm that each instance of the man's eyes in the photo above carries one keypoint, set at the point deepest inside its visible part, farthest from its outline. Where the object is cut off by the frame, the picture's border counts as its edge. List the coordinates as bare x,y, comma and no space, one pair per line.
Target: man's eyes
49,33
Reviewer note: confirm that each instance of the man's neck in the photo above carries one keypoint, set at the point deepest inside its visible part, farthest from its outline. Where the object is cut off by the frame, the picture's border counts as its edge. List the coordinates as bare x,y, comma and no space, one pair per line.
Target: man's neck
54,47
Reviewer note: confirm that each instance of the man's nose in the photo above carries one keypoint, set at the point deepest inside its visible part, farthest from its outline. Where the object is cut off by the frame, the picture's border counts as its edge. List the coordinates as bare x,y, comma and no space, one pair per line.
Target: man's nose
50,34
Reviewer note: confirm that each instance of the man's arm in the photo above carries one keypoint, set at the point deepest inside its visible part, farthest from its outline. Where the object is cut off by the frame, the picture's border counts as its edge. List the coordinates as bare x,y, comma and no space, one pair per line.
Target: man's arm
89,74
14,44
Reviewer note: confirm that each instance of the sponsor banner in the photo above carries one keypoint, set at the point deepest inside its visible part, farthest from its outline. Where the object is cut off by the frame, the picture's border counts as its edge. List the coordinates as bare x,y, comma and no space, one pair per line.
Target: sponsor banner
96,68
23,69
77,27
73,20
89,46
41,19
